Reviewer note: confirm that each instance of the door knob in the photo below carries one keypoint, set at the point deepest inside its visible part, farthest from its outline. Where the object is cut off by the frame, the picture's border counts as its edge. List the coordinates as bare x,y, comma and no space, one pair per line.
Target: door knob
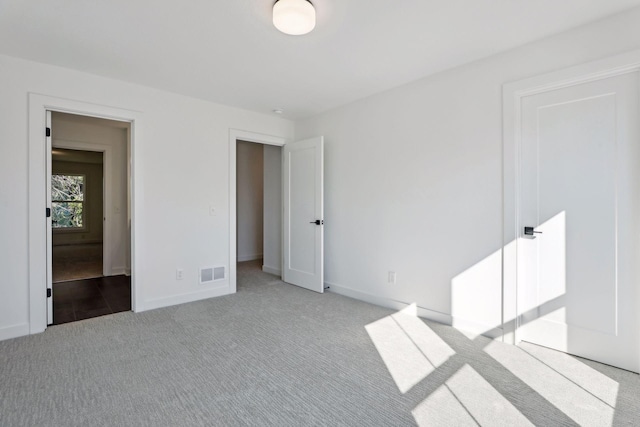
529,231
317,222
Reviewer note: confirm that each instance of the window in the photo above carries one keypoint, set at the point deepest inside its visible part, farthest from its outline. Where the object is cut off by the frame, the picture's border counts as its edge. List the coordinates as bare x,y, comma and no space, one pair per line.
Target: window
67,201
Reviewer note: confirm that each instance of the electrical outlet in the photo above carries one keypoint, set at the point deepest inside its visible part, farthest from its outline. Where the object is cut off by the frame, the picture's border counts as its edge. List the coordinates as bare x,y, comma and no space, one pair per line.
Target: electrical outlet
179,274
392,277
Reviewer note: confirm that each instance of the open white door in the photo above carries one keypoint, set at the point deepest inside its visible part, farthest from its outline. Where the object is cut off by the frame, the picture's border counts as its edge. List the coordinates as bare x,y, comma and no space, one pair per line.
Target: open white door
303,214
578,260
49,213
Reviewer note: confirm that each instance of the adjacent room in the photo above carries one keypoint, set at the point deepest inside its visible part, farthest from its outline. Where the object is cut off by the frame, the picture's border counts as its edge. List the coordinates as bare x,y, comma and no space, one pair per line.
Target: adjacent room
320,212
90,246
259,207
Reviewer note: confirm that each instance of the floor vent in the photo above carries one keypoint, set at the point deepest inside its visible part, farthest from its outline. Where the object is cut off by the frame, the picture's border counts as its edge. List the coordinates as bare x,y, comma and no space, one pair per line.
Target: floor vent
211,274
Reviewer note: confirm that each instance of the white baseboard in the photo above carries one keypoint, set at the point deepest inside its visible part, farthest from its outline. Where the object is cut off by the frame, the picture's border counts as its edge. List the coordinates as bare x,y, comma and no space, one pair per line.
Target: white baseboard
426,313
209,292
468,326
14,331
475,328
243,258
272,270
117,271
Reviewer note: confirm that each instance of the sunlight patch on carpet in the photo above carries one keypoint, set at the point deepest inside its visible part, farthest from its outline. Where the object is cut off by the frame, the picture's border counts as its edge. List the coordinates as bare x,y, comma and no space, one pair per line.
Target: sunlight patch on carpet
409,348
581,405
467,398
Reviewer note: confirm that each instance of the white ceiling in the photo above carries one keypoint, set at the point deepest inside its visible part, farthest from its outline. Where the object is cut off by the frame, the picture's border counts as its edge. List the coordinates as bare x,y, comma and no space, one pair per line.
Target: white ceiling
227,51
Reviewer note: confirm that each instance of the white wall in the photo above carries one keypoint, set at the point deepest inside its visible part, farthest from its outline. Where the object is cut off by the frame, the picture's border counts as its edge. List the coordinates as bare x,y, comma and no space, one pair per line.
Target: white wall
249,184
272,259
413,179
181,167
92,134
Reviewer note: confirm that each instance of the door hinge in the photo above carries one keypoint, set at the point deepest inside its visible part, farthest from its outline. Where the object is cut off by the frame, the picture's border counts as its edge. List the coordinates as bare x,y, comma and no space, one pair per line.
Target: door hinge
48,292
48,212
48,132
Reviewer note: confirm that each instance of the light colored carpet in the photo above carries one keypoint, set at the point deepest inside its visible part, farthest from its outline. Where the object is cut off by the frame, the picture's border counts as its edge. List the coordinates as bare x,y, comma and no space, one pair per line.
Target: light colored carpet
76,262
277,355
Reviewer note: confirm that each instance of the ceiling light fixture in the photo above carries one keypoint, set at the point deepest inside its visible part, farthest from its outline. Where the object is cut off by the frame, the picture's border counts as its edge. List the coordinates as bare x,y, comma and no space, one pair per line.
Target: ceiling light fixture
294,17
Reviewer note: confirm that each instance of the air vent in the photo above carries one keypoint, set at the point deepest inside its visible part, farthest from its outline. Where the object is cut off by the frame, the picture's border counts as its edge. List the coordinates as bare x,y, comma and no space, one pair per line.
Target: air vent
218,273
211,274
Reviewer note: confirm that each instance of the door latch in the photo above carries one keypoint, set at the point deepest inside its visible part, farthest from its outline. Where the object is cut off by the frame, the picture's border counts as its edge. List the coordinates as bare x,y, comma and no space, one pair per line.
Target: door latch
317,222
529,231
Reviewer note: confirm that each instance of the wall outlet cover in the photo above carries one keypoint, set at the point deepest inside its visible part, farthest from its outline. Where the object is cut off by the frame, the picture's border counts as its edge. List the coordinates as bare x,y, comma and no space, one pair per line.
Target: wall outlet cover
392,277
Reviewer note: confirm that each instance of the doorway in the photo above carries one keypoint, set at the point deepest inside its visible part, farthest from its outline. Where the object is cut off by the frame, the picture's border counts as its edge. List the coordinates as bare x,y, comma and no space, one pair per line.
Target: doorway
90,267
302,209
259,207
574,187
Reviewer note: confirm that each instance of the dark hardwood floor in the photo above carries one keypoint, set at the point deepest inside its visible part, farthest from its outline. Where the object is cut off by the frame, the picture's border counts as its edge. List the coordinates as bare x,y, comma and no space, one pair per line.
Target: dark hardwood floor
84,299
76,262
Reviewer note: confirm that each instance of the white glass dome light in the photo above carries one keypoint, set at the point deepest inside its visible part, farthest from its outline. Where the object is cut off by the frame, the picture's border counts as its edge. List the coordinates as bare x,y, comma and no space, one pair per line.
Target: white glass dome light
294,17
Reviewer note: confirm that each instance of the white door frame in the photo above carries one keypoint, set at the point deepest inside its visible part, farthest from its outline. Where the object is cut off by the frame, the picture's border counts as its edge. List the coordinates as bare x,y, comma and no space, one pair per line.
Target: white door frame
236,135
38,106
513,93
107,173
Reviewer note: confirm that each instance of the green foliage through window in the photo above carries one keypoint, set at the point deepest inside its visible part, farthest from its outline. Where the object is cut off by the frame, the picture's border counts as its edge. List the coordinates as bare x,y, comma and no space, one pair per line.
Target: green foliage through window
67,201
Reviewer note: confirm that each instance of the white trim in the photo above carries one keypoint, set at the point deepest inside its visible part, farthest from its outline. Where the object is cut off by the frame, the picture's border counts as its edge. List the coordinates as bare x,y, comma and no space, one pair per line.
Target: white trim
14,331
471,327
613,66
234,136
49,221
38,106
118,271
253,257
208,292
426,313
271,270
463,325
513,93
107,173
